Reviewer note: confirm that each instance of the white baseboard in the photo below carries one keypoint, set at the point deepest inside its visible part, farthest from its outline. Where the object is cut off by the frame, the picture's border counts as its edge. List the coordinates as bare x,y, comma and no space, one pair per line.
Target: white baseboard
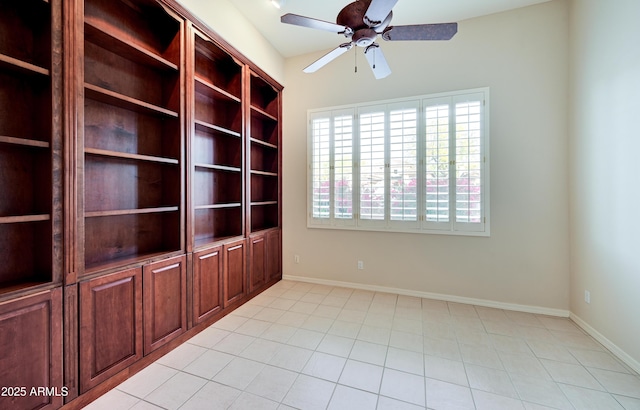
612,347
437,296
621,354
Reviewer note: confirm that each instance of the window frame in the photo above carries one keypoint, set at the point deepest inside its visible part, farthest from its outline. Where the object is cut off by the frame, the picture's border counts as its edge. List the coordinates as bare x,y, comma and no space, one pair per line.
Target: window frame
421,224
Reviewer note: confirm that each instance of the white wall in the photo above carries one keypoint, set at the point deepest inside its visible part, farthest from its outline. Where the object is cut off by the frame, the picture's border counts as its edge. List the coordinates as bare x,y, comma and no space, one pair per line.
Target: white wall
234,28
522,56
605,175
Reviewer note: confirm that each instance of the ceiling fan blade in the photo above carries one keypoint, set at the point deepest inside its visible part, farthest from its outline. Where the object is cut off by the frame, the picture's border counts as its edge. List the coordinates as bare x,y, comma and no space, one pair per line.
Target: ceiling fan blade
314,23
377,62
378,11
442,31
327,58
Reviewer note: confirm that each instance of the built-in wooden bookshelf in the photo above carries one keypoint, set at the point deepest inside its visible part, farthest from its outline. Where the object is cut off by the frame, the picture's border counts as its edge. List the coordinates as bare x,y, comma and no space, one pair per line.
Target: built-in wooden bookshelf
133,137
31,187
217,156
140,189
28,145
264,154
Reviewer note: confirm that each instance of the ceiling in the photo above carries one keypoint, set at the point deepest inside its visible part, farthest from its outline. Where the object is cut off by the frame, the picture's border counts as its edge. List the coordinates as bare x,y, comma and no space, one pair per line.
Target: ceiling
291,40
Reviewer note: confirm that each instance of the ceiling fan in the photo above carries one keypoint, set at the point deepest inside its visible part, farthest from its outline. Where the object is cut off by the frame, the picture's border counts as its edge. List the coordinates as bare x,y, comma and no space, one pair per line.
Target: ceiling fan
362,21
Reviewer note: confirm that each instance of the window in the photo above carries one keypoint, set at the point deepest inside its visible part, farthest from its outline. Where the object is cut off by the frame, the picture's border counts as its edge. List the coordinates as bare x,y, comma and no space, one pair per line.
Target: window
409,165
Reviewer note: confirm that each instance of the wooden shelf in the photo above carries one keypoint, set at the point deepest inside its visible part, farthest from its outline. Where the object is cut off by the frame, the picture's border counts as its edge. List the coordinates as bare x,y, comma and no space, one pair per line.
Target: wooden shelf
219,206
117,263
23,142
125,155
263,113
21,66
217,128
205,87
27,283
264,143
205,241
264,203
218,167
111,97
97,214
264,173
24,218
102,37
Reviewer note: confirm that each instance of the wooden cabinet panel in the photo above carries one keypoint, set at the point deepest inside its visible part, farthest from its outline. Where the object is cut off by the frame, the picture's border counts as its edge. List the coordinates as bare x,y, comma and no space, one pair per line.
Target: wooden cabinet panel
207,283
165,295
264,258
274,256
110,325
234,272
257,255
31,346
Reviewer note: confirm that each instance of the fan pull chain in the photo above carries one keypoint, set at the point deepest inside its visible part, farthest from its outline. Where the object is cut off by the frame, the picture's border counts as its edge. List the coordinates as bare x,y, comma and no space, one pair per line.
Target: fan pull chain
355,53
374,58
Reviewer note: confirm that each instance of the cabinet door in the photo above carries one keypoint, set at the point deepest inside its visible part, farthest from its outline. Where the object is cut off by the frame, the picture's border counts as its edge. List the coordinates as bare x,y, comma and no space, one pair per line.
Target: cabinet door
274,256
257,259
110,325
31,346
165,295
207,283
234,272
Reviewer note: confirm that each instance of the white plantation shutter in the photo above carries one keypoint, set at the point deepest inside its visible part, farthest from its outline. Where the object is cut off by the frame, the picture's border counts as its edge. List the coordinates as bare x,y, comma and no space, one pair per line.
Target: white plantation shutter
469,162
410,165
403,161
320,171
343,167
373,185
437,167
331,168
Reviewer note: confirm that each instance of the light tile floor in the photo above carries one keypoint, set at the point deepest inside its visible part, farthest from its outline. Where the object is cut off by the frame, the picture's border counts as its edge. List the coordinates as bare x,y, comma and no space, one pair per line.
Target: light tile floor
306,346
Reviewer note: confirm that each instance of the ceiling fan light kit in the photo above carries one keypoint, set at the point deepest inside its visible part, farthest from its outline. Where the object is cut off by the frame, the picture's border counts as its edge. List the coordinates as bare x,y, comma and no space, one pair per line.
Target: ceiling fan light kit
278,3
362,21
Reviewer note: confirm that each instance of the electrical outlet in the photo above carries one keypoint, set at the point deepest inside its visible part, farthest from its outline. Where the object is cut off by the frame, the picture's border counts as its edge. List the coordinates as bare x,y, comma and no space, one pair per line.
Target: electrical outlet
360,265
296,258
587,296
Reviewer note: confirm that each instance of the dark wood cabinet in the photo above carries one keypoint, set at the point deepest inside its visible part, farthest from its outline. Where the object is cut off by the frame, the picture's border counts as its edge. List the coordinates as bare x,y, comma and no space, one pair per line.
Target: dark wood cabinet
207,283
31,346
110,325
273,262
264,258
257,261
235,279
140,171
165,309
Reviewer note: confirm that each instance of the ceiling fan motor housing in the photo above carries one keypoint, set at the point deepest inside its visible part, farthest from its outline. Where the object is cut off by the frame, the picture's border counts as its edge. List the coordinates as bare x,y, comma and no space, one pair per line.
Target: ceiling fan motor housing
364,37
